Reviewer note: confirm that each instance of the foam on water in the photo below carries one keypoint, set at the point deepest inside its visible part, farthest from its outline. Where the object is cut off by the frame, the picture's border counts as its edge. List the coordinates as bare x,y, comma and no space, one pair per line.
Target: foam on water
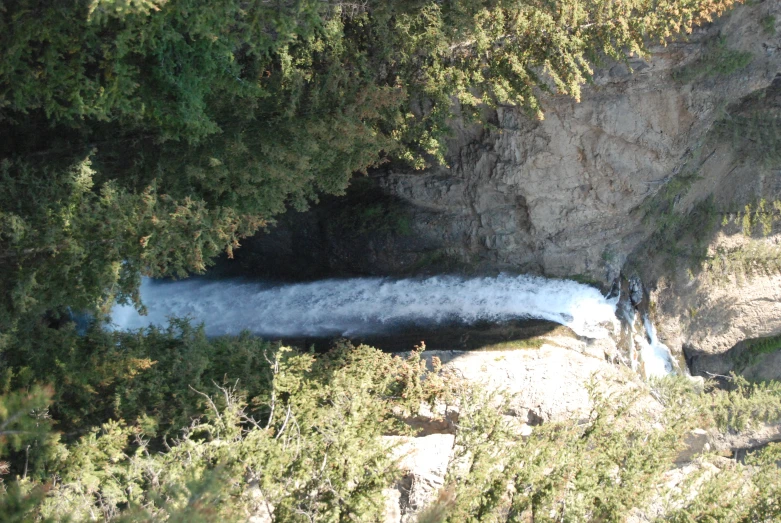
360,306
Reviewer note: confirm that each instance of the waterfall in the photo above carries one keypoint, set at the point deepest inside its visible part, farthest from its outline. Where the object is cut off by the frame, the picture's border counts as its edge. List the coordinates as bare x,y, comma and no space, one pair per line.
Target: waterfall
647,354
656,356
360,306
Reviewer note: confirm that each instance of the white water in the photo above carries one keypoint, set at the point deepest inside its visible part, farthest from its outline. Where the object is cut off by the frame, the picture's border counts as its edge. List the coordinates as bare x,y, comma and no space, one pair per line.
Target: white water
655,355
369,305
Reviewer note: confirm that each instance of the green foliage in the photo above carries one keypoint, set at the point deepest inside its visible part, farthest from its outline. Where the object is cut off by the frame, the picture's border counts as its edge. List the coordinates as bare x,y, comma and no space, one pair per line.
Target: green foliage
741,406
592,470
764,345
750,352
745,404
23,418
685,237
679,235
752,129
753,126
756,133
661,206
729,493
19,499
718,60
150,63
768,24
315,450
585,279
754,256
142,377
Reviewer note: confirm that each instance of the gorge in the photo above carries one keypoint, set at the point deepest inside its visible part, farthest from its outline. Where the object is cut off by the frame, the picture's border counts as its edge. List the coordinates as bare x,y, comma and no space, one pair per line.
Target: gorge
393,261
645,176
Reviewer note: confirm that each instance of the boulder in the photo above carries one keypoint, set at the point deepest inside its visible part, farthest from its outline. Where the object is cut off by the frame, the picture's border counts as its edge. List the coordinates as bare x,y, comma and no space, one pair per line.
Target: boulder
547,384
697,442
424,462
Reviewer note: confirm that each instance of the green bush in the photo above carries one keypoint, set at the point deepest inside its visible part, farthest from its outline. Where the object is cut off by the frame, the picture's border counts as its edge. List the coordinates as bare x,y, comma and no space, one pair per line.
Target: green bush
308,443
315,450
769,25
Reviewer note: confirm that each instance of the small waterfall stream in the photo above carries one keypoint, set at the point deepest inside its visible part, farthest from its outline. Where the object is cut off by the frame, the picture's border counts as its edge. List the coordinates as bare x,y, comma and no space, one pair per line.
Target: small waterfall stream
364,306
655,355
637,339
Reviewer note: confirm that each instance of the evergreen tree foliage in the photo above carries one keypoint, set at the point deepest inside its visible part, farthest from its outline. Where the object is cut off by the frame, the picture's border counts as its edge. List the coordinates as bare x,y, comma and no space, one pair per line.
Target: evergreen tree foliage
310,446
23,418
146,377
307,447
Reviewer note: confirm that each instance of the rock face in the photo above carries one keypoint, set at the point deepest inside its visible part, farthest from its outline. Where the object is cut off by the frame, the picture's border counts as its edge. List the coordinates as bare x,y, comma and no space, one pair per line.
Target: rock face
717,309
549,383
711,321
424,461
558,197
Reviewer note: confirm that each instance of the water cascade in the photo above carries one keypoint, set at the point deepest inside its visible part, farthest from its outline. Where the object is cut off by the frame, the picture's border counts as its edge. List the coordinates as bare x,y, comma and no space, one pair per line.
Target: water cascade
646,353
655,355
360,306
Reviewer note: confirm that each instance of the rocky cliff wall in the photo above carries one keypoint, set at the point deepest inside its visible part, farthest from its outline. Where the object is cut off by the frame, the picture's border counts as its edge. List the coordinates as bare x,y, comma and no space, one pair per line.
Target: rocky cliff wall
562,196
559,197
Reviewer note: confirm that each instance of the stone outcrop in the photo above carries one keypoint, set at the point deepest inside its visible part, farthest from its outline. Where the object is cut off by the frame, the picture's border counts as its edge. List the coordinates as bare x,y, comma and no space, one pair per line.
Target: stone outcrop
560,196
549,383
697,442
709,314
546,384
708,319
424,462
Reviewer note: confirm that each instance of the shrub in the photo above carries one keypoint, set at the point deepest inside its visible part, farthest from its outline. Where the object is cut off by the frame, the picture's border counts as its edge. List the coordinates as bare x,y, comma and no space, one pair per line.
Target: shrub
718,60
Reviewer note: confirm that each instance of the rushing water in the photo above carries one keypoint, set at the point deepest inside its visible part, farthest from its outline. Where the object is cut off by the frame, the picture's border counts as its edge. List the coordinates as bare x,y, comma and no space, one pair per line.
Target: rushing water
656,356
647,354
361,306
